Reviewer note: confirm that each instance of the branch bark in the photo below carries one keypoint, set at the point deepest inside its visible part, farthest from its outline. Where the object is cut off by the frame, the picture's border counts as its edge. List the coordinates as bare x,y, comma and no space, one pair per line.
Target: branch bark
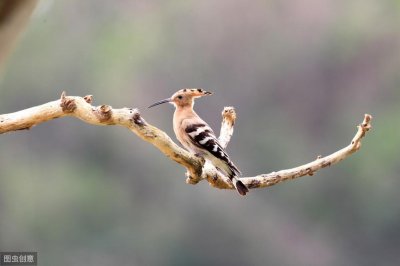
197,168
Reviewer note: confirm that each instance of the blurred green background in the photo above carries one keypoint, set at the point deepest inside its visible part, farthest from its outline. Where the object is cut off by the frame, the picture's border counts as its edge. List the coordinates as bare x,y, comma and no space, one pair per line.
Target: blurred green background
301,74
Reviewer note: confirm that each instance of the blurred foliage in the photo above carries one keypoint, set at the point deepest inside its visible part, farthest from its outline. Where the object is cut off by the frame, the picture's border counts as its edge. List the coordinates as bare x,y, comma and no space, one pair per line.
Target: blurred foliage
301,74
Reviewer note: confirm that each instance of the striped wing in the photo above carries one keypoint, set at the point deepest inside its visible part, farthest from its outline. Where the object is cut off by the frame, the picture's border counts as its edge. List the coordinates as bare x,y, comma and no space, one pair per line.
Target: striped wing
203,137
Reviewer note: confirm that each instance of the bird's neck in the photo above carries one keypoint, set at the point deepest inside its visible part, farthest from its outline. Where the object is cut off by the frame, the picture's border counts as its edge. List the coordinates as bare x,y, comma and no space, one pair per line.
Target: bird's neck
184,111
181,113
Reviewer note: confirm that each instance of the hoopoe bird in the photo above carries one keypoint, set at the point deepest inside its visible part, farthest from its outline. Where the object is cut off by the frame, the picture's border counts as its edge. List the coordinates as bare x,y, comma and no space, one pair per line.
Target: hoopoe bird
197,136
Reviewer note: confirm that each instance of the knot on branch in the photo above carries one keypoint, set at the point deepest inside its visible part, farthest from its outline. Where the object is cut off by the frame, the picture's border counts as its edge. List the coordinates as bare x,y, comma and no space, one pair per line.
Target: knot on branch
254,183
103,113
67,104
195,173
88,98
191,180
326,164
229,114
366,124
363,128
137,118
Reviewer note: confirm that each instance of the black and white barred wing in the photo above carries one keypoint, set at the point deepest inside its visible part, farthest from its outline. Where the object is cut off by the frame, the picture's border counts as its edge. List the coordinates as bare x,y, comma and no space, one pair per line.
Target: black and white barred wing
204,138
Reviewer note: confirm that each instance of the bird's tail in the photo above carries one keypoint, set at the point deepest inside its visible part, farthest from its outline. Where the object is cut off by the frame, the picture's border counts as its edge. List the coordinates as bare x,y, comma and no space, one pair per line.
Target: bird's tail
240,187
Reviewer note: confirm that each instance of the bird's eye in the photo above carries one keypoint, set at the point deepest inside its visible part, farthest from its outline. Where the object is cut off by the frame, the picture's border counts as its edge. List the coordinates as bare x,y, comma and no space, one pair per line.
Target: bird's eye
180,97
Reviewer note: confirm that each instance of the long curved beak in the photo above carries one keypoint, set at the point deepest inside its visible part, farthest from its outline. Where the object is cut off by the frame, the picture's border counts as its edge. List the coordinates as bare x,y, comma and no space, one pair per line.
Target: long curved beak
160,102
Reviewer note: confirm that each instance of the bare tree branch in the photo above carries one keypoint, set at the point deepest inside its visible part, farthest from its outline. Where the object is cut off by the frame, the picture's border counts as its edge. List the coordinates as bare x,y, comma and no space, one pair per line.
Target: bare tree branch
197,168
101,116
228,121
265,180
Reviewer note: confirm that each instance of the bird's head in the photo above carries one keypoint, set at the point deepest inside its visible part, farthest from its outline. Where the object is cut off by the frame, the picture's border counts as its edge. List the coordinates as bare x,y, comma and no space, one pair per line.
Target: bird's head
184,97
